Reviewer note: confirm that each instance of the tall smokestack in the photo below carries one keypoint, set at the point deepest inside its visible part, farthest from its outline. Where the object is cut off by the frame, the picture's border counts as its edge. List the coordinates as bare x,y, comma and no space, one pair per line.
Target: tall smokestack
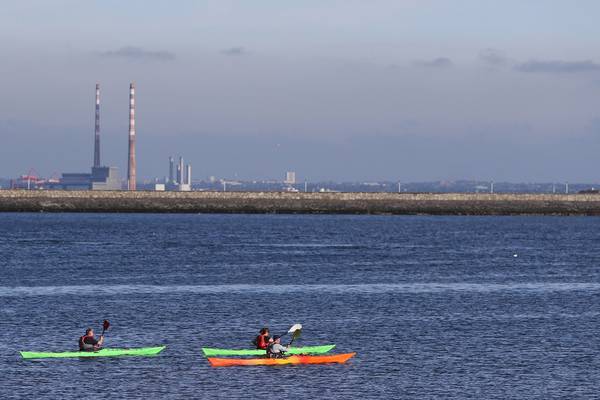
97,129
181,171
131,173
189,175
171,169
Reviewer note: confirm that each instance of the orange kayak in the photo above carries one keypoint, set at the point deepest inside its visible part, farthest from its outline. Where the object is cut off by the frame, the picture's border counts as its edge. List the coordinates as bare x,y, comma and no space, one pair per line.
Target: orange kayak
300,359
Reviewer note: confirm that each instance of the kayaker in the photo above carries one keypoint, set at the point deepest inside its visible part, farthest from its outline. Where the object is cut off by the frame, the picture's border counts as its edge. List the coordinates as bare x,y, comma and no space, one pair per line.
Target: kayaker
89,343
276,349
262,340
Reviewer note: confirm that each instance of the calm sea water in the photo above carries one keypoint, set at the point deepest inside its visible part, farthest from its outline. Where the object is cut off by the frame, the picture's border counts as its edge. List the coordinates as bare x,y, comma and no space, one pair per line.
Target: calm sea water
435,307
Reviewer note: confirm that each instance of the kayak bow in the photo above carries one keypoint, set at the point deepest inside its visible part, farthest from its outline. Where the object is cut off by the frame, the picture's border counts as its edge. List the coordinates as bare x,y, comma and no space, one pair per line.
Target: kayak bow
142,351
208,352
229,362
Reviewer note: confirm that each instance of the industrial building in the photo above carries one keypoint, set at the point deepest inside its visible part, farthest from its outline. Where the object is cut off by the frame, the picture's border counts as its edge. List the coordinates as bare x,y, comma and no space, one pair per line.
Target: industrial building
75,181
290,178
105,178
102,177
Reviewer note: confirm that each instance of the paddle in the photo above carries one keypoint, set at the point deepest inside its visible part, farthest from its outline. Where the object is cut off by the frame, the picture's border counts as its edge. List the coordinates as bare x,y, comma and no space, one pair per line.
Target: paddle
105,326
98,345
295,330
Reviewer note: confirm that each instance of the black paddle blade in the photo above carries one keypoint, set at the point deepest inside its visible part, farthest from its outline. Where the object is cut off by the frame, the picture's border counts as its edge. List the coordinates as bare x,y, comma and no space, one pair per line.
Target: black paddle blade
105,325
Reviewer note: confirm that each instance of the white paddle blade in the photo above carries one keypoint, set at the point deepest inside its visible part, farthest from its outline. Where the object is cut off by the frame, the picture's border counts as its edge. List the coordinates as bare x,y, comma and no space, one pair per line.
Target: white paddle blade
295,328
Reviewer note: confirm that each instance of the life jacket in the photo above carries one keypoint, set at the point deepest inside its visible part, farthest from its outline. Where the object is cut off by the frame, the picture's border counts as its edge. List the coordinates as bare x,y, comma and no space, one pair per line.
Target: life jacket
261,342
83,346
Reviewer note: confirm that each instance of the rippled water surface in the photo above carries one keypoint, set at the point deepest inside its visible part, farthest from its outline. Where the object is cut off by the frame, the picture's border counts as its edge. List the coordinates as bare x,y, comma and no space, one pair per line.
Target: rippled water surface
435,307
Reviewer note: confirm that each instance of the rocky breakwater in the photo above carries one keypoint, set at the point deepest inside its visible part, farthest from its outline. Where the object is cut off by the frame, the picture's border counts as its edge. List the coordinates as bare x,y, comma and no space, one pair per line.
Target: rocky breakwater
284,202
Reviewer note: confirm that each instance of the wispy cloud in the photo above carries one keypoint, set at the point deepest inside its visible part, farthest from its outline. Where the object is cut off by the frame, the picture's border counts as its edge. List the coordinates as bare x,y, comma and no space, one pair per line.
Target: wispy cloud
493,57
558,66
137,53
234,51
440,62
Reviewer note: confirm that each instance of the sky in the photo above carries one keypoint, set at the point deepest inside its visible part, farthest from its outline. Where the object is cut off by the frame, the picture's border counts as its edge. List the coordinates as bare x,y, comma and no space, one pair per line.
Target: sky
343,90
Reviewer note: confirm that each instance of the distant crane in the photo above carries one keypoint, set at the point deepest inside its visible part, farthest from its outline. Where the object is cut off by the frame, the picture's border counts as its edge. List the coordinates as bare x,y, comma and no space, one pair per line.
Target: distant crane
29,178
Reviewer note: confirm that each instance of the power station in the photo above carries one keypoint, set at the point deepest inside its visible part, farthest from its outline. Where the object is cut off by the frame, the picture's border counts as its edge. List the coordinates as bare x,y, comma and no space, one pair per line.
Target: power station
107,178
102,177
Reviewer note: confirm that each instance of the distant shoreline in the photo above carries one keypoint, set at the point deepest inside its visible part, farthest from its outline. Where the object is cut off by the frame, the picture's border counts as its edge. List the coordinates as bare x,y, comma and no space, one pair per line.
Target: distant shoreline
298,203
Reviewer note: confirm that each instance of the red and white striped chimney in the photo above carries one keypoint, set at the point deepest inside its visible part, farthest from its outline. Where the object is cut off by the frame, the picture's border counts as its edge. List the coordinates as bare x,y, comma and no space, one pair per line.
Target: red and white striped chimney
131,173
97,129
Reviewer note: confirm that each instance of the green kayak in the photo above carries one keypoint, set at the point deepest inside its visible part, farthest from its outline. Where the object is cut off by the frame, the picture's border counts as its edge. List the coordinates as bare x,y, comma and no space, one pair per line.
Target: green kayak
210,352
142,351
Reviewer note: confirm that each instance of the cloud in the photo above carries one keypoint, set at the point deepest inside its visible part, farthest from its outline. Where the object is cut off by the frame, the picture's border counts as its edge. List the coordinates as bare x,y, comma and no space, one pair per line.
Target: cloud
137,53
493,57
234,51
440,62
558,67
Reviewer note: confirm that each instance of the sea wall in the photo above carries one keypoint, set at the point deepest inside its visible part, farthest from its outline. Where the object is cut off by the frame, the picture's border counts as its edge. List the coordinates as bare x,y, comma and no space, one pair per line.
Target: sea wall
284,202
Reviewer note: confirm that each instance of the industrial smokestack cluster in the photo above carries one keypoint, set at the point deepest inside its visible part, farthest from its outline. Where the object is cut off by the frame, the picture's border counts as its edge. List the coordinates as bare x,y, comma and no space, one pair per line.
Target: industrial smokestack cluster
131,167
131,164
180,176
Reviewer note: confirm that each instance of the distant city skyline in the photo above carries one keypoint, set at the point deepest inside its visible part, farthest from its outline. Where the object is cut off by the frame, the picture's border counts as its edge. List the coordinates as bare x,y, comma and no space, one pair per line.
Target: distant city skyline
333,90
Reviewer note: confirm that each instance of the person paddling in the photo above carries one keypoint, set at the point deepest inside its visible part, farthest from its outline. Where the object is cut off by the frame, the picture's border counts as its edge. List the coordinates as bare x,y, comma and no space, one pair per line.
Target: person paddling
276,349
88,342
262,340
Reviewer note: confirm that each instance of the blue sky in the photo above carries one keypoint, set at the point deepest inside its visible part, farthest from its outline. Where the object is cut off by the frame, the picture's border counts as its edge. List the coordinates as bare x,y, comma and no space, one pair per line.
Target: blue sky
341,90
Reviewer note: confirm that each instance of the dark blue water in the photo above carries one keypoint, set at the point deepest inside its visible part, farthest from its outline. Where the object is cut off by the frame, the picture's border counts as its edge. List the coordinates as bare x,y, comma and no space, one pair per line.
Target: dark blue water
435,307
